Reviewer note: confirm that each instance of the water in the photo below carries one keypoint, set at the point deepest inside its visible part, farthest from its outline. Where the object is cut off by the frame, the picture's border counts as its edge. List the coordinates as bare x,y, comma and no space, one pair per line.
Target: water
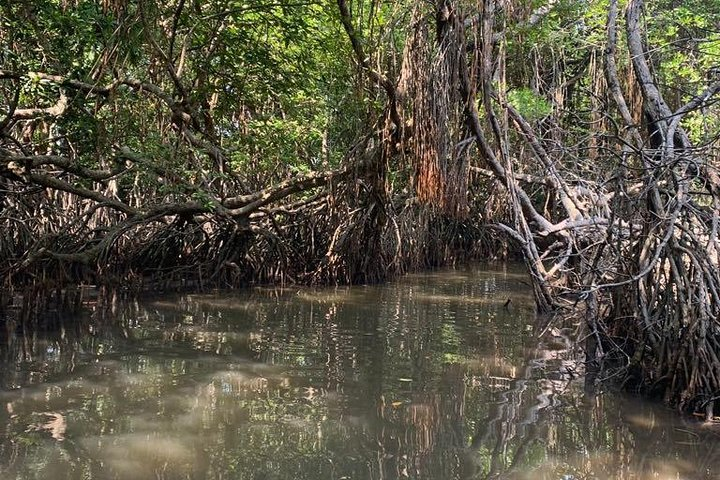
428,377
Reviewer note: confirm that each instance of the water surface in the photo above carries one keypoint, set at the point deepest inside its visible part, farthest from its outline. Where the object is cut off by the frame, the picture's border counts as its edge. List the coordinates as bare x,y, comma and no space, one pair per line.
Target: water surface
428,377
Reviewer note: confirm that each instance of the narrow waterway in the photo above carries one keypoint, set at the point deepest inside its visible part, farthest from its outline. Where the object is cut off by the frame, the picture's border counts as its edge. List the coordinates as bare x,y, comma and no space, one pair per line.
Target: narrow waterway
428,377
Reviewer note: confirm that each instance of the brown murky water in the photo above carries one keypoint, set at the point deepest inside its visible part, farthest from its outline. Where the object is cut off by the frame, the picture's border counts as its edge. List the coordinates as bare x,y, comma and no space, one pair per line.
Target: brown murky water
428,377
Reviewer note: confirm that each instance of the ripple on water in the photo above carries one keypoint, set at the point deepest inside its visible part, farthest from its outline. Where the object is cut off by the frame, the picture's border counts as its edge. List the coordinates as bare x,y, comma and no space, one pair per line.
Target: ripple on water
428,377
141,455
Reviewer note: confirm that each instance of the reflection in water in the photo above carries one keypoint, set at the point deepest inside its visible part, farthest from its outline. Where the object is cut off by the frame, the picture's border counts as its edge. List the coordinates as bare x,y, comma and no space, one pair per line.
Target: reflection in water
430,377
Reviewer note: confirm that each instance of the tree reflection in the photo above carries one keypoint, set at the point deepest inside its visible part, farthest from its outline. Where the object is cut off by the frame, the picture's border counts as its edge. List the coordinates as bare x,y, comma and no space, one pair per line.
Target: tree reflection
427,378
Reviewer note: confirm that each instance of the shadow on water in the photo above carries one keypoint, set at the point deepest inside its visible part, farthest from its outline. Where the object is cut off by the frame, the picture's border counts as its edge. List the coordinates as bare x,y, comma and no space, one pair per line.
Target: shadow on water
429,377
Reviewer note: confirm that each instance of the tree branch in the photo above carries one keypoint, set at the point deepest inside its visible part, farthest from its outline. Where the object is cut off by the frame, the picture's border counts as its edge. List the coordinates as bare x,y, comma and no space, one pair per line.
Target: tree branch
377,77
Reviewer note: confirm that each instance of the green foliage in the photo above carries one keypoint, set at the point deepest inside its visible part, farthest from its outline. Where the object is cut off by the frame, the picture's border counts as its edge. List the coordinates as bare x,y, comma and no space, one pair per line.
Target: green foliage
531,105
279,71
271,80
686,46
45,34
